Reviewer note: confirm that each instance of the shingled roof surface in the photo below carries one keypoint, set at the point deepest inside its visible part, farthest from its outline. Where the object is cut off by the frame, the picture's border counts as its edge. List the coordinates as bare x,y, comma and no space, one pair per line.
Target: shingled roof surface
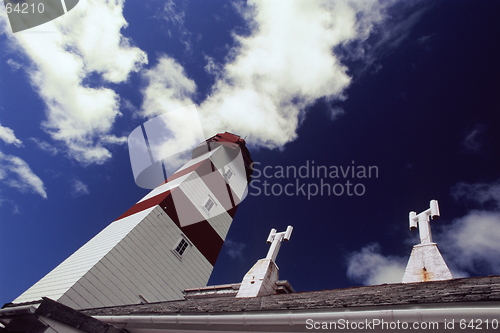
477,289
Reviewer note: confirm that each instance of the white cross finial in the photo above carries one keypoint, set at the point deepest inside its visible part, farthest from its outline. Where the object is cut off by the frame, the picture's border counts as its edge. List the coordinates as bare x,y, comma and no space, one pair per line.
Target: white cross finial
422,220
275,239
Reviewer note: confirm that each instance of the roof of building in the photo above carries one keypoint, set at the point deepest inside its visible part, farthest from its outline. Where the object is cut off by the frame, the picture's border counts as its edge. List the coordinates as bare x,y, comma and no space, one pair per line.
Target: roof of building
25,317
456,298
468,290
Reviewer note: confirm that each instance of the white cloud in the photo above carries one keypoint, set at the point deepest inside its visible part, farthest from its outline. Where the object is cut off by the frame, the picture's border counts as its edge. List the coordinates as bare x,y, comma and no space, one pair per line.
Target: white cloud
66,62
384,21
8,136
128,106
473,141
272,75
473,242
78,188
45,146
336,112
168,88
280,69
4,24
370,267
175,16
15,172
111,139
14,207
14,64
234,249
212,67
487,195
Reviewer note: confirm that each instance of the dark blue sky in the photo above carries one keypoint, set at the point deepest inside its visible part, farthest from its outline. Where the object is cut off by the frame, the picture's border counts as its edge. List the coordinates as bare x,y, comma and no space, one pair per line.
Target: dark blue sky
422,106
411,119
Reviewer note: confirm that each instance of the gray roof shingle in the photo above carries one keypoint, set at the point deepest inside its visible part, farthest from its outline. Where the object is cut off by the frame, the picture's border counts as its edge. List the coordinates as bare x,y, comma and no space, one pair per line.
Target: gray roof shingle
476,289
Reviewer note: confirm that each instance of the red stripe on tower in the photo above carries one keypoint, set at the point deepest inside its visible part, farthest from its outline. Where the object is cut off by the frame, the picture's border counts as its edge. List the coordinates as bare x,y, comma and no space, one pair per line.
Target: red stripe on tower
205,179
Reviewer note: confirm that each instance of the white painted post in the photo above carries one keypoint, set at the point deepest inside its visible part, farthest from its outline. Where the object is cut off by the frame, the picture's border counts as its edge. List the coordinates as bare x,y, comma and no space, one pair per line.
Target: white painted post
423,218
424,229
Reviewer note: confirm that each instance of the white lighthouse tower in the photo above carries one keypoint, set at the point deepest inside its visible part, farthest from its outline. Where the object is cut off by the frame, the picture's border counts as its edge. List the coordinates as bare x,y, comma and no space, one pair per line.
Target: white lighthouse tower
165,243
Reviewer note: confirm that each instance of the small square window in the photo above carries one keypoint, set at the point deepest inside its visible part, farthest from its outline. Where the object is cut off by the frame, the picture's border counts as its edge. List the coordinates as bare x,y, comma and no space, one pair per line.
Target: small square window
181,247
228,174
209,204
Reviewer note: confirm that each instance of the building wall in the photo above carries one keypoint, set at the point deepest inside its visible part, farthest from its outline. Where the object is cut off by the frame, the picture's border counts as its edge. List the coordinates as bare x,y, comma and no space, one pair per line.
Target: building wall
66,274
142,268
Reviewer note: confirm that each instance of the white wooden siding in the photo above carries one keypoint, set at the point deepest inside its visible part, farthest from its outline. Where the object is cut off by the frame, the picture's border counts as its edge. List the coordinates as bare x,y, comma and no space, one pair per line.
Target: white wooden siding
141,264
198,192
198,159
66,274
221,223
165,187
238,182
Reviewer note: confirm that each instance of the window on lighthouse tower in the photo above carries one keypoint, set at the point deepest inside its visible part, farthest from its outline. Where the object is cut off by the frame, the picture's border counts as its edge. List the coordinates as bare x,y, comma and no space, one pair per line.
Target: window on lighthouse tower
228,174
181,247
209,204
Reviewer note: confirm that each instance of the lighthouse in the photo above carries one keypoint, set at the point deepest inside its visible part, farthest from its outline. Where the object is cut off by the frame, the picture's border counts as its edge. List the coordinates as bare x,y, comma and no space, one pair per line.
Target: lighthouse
167,242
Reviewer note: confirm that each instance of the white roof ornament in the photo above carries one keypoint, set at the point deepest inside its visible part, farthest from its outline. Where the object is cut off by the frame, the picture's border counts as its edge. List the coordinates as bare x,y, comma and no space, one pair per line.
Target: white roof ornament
275,239
422,221
426,262
262,278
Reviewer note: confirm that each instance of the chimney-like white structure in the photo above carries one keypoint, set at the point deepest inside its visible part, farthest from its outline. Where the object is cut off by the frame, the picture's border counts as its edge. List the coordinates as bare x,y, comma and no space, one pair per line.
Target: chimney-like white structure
261,279
426,262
